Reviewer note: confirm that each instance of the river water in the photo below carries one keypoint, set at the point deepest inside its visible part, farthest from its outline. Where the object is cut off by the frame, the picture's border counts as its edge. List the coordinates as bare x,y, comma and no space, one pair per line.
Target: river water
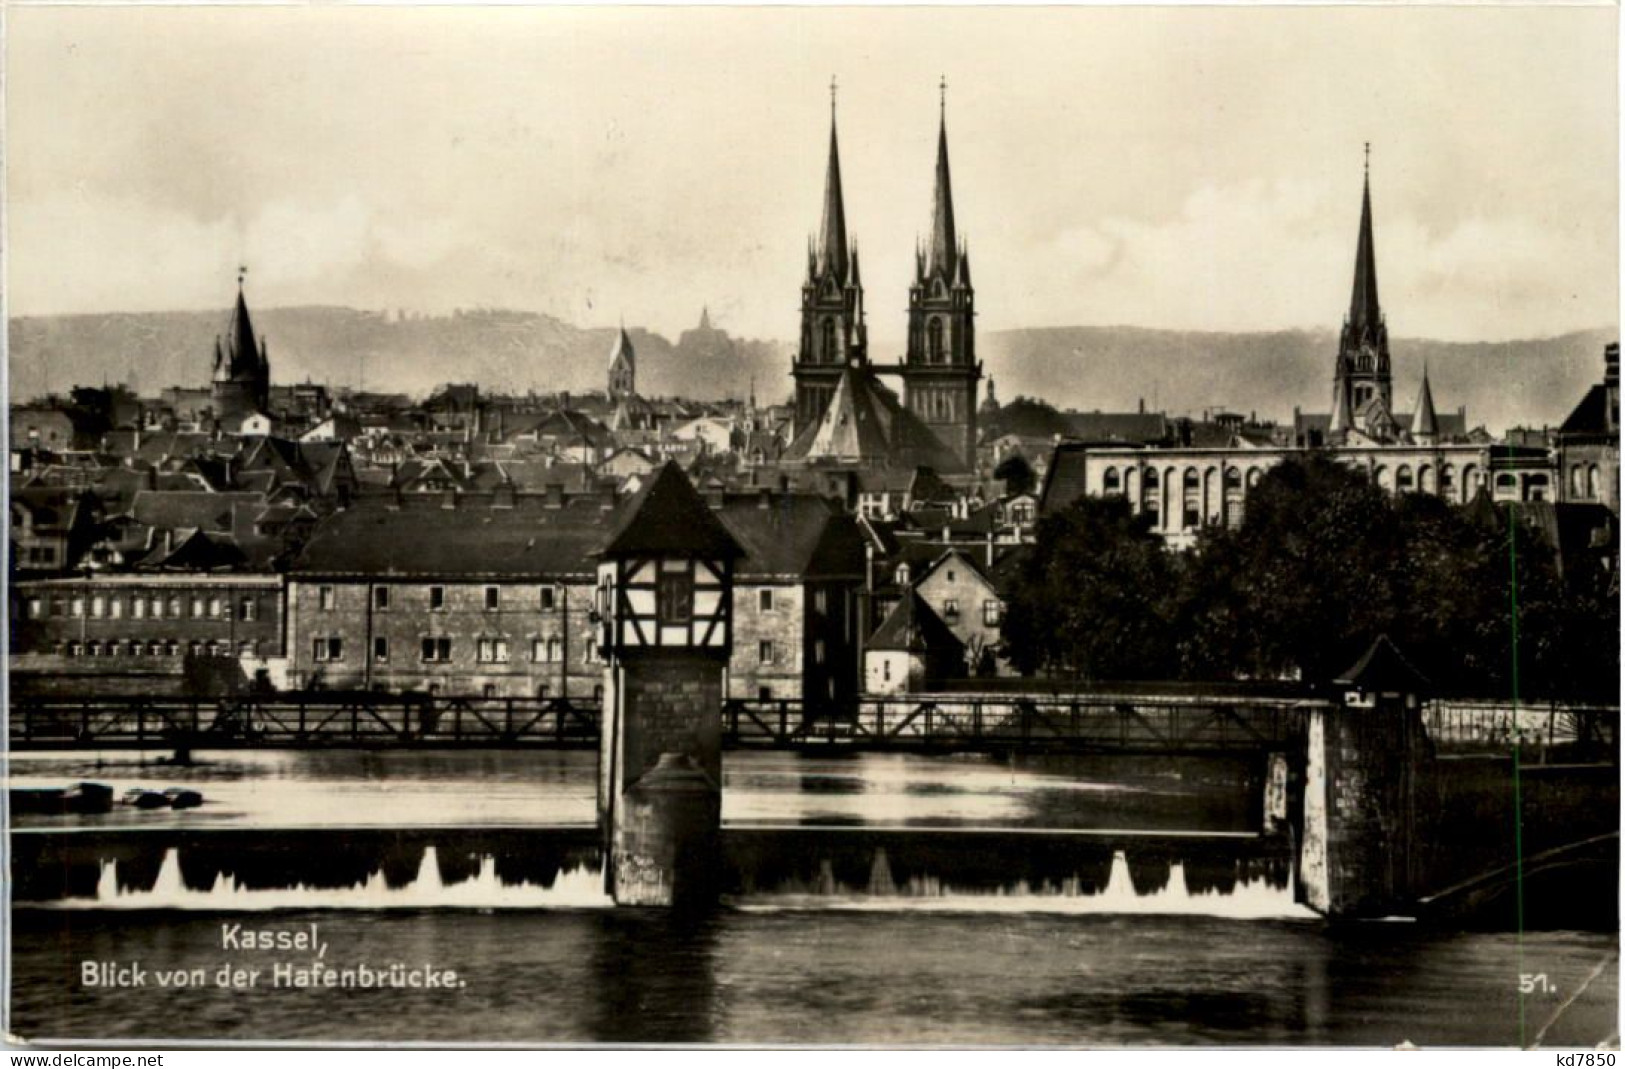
885,953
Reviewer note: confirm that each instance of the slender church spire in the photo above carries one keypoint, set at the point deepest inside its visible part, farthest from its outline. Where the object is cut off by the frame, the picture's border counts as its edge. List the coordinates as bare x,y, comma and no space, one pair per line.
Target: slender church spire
941,255
1363,370
832,254
1365,313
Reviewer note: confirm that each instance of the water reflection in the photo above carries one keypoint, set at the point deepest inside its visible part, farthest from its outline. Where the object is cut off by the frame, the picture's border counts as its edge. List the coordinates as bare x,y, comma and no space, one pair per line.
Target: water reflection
395,788
655,976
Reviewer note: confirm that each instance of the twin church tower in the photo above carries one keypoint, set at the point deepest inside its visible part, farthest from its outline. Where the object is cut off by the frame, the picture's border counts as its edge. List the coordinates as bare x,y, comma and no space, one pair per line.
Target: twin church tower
939,372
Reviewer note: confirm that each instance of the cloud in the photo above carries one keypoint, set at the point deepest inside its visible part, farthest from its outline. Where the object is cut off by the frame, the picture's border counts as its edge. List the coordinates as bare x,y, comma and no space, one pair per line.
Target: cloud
1274,255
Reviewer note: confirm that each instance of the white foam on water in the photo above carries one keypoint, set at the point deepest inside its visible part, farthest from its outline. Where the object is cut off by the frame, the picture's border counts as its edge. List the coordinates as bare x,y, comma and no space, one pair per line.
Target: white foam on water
1254,899
575,888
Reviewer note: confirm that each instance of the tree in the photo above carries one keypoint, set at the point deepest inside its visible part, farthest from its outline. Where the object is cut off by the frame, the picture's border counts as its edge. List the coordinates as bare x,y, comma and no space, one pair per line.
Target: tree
1325,561
1018,475
1094,597
1305,583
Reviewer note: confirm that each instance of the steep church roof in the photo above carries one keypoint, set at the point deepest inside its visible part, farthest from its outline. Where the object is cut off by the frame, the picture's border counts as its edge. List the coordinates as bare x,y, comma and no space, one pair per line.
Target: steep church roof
865,425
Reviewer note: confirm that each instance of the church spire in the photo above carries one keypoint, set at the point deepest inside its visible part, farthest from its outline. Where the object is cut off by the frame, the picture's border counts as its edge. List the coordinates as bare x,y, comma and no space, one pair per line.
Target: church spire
832,234
1365,314
941,256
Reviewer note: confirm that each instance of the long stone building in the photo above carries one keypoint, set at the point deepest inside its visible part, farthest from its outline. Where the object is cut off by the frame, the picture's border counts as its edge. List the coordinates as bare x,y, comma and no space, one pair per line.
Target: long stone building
494,595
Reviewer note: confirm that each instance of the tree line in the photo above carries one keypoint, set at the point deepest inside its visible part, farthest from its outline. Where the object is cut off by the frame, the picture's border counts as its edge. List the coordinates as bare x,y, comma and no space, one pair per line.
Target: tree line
1322,563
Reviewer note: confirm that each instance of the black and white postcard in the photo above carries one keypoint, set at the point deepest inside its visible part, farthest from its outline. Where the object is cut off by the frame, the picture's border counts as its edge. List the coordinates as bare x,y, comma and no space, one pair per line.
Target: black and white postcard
1092,527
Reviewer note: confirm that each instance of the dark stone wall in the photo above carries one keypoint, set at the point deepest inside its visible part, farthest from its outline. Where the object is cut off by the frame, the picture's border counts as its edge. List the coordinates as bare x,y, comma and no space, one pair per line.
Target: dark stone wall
673,705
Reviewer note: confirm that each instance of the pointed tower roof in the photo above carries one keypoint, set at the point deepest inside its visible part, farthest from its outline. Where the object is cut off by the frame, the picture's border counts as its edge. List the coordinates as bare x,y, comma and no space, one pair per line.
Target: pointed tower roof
242,351
942,253
668,517
1425,421
1365,313
705,317
623,349
1383,668
832,233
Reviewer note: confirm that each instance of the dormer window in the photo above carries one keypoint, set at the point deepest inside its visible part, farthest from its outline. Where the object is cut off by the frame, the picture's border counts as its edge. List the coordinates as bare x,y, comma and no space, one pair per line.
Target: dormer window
902,575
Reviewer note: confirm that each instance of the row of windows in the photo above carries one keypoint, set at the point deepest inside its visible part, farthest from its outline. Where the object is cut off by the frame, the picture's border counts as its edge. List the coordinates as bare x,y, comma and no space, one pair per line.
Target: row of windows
141,607
548,598
327,597
156,648
767,652
438,650
767,600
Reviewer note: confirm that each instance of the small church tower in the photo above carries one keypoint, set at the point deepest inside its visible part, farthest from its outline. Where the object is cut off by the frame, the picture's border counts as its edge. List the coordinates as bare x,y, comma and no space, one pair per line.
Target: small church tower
241,380
833,334
940,372
623,369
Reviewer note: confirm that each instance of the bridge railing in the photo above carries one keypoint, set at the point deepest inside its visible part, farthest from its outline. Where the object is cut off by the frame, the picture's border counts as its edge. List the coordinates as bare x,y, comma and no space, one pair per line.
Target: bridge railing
314,719
1493,727
957,721
920,722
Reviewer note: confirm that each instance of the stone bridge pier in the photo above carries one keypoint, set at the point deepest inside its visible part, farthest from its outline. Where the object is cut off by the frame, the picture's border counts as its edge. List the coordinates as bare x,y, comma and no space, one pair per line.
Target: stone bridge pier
1360,848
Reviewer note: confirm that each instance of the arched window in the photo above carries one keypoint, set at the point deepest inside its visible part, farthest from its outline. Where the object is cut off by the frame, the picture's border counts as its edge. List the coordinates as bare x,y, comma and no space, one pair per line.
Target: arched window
1593,481
1232,479
1424,479
1536,487
827,352
1382,477
1447,480
1113,482
1469,481
1151,480
1577,481
934,341
1404,481
1506,485
1192,482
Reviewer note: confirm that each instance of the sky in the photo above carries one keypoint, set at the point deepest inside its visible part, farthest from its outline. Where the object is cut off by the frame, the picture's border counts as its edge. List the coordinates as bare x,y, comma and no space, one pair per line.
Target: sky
1190,168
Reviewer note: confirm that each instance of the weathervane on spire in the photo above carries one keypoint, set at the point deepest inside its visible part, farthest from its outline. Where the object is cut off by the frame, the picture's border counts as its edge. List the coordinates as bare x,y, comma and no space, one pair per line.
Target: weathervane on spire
1368,159
942,96
242,273
832,88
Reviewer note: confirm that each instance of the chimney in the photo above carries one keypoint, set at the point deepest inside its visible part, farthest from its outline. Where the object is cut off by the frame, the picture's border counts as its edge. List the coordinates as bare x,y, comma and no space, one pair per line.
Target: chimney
1142,406
555,495
764,498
